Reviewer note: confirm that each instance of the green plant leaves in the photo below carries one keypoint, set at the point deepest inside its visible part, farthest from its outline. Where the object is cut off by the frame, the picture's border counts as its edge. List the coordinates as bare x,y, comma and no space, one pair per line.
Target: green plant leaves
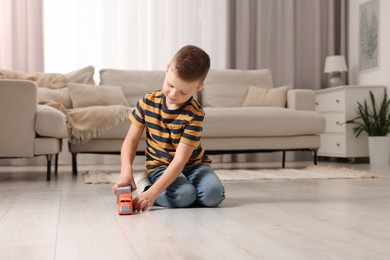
371,120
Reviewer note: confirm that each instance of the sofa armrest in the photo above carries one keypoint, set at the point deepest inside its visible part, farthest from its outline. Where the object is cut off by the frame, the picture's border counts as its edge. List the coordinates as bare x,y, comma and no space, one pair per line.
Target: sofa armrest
18,102
50,122
301,99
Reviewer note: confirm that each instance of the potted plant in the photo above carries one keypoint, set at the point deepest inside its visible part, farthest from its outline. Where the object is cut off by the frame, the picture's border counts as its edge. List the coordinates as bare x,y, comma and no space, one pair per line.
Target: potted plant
376,123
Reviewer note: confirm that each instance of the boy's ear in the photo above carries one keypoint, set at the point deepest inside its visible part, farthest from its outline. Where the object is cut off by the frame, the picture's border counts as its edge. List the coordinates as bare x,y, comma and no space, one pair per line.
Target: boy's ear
200,87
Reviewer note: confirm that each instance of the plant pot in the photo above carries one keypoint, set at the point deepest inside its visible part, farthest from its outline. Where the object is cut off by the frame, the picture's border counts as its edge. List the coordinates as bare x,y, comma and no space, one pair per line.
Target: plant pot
379,149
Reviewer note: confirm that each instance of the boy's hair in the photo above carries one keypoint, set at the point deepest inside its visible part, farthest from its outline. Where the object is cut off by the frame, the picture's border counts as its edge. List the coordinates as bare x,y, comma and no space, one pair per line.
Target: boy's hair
191,63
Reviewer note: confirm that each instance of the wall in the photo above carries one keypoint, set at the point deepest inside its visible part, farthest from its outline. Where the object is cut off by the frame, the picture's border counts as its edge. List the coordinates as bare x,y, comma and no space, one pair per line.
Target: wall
379,76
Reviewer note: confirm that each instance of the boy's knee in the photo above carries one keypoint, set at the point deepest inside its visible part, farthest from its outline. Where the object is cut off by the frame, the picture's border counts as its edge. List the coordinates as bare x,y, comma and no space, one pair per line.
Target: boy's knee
182,197
211,197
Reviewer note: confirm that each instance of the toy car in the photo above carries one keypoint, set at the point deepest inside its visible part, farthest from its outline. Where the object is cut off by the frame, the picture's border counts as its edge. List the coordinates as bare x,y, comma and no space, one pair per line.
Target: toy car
125,204
124,200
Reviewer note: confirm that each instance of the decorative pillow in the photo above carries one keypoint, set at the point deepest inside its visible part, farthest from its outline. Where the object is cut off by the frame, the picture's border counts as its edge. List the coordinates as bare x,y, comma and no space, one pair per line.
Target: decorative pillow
228,88
85,95
266,97
57,95
83,75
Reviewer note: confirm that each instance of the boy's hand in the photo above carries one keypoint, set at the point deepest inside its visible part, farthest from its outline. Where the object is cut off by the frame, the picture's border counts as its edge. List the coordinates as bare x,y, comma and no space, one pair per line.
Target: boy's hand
144,201
124,180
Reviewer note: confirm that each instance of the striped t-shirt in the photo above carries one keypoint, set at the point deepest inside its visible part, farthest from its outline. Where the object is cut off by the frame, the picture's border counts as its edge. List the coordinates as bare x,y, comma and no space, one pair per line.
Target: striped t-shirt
166,128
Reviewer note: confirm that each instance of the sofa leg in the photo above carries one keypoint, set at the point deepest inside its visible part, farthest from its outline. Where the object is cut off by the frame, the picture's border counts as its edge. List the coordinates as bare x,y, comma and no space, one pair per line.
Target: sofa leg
56,165
315,156
74,164
284,159
48,171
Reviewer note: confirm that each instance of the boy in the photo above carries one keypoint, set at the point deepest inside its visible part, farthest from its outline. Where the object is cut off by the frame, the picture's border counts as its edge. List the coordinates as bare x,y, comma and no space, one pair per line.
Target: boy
176,164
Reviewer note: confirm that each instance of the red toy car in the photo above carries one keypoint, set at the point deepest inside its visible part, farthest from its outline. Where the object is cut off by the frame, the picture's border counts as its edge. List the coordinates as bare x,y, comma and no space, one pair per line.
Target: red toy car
124,200
125,204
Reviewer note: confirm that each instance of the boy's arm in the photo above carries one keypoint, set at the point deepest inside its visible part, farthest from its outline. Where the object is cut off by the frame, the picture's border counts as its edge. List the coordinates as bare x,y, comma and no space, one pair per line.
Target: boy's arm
128,152
147,198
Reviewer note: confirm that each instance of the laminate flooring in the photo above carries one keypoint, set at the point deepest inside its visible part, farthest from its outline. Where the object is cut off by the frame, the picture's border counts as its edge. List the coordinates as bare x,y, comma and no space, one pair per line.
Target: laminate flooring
310,219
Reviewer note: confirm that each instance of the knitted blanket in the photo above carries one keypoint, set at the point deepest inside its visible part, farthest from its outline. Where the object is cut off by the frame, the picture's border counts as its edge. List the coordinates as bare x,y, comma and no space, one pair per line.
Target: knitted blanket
47,80
89,122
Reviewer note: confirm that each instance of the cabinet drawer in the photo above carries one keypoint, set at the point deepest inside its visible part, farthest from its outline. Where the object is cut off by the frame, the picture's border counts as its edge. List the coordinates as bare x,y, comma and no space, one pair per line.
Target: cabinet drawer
335,122
332,145
334,101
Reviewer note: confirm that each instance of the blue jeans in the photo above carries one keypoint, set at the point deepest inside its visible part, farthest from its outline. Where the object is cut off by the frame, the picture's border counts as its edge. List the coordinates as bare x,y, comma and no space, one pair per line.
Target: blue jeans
195,186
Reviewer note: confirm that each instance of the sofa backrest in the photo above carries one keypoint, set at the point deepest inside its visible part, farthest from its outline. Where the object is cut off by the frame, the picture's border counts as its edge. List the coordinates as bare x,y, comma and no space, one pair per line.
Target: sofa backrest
224,88
228,88
135,83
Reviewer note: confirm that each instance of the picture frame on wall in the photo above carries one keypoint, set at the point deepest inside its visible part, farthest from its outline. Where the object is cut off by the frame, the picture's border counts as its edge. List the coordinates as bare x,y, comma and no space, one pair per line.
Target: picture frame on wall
369,36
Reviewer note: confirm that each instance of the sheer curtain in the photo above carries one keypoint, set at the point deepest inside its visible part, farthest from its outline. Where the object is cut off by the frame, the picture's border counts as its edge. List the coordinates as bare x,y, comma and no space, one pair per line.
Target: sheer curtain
131,34
21,35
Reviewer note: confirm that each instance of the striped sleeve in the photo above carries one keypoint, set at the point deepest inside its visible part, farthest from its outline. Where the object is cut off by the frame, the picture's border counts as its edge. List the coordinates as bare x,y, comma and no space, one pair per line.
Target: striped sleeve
137,117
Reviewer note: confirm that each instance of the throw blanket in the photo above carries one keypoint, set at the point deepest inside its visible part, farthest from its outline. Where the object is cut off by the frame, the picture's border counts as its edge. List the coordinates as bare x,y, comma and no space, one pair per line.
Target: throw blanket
47,80
90,122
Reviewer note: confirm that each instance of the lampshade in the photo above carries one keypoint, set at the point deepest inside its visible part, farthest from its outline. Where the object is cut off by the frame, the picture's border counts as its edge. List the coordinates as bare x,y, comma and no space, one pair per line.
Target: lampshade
335,64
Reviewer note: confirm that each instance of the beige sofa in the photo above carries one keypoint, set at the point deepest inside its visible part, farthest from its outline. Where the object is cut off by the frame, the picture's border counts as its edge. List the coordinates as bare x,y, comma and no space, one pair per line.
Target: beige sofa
284,120
244,113
29,130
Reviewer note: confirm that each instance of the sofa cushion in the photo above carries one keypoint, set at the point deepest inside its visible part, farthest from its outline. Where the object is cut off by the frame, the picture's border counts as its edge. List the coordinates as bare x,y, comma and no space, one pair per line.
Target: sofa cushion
44,145
50,122
260,121
84,95
301,99
228,88
83,75
248,122
57,95
135,83
266,97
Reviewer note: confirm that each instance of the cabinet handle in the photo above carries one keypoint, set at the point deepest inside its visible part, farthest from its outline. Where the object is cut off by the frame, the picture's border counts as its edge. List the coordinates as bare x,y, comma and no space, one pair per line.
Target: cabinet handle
337,123
337,101
316,103
338,144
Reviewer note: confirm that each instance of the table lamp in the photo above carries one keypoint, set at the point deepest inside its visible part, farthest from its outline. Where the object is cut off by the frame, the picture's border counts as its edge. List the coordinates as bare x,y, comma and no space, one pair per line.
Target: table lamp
335,65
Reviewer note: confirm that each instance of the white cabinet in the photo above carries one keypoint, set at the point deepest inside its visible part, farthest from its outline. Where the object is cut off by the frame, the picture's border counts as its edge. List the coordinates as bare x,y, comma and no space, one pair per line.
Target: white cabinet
338,105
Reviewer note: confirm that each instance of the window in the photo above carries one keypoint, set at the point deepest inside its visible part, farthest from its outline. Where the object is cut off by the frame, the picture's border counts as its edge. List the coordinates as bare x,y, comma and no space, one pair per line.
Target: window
131,34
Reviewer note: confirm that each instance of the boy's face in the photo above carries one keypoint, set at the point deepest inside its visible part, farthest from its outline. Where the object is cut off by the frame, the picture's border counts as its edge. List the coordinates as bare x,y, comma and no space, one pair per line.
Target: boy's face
178,91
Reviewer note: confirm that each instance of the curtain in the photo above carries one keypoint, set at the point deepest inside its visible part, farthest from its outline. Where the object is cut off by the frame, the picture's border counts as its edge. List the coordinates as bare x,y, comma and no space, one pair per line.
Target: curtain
292,38
131,34
21,35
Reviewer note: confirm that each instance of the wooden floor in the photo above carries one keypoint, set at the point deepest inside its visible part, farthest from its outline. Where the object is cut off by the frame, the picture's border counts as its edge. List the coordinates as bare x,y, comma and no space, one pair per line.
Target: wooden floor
324,219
